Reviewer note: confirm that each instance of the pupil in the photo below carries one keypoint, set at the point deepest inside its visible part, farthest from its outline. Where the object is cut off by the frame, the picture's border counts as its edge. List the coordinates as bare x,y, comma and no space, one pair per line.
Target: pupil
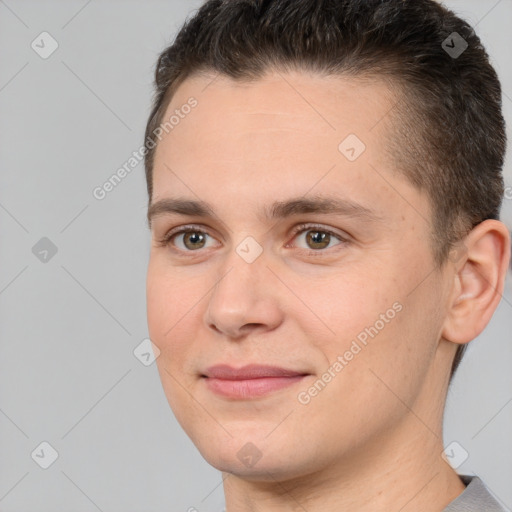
193,238
319,238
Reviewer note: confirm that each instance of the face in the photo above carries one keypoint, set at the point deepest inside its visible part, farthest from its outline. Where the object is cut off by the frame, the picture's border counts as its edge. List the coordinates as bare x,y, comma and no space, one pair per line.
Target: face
345,301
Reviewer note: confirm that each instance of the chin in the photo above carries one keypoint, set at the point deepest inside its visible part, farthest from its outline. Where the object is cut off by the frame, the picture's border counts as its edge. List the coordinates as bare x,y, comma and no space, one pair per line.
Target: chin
264,462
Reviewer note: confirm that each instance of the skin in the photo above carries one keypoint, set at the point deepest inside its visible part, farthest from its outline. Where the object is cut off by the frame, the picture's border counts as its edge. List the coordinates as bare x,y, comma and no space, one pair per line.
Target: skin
371,440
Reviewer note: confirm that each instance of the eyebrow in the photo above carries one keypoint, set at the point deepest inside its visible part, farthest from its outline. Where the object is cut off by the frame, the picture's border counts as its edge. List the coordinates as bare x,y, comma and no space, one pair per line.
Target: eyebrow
278,209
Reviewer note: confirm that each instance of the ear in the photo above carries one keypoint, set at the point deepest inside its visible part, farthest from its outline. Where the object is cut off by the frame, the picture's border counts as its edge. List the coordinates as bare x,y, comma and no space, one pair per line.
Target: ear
481,264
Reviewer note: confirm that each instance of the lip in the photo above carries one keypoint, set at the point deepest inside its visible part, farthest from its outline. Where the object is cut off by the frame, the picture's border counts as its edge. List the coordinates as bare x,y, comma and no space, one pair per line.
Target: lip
250,381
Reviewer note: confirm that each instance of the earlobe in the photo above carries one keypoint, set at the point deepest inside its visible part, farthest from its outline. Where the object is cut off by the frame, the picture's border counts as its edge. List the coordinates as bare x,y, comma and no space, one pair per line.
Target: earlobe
479,278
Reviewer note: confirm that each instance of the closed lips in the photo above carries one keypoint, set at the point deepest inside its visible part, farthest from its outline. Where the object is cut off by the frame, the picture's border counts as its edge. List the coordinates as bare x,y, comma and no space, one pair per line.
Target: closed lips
247,372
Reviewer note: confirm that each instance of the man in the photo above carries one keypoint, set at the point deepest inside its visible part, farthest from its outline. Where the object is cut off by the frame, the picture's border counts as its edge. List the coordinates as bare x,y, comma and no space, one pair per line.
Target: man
324,184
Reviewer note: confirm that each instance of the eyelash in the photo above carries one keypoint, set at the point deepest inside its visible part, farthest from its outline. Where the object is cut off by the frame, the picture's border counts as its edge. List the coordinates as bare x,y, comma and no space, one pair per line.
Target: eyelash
166,240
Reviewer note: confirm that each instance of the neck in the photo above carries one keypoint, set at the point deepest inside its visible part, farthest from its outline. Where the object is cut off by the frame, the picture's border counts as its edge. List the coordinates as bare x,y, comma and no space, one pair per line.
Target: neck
408,477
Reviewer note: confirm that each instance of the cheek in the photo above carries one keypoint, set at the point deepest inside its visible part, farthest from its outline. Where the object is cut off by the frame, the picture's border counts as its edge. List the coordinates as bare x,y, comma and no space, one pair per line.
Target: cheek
344,304
172,300
171,318
370,319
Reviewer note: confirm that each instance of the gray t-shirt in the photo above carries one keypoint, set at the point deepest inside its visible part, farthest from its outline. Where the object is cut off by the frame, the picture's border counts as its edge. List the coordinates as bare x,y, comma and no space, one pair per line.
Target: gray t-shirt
474,498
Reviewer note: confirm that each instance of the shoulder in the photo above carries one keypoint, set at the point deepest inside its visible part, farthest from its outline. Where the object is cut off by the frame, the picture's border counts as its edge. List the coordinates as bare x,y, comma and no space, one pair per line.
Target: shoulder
475,498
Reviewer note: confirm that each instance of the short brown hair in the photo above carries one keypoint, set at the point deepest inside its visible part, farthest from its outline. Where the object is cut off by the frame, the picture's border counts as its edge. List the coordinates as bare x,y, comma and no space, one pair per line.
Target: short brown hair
448,133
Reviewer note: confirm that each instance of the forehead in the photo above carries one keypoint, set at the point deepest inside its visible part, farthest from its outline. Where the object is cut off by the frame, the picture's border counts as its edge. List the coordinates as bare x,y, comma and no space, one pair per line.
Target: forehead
280,110
280,136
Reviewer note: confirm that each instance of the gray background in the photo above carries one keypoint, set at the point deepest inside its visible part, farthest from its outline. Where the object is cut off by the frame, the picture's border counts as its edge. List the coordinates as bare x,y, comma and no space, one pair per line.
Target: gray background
69,326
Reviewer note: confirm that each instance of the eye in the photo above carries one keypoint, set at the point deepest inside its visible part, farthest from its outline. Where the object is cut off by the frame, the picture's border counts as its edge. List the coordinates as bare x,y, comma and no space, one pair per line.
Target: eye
314,239
317,238
187,239
192,240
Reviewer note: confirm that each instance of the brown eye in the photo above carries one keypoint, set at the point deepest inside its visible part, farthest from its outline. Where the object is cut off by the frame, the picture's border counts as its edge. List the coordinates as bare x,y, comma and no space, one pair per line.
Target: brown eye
194,240
188,239
315,238
318,239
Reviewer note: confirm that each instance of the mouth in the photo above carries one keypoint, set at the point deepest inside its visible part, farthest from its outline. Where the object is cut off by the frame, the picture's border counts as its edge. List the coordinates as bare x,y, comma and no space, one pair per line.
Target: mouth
250,381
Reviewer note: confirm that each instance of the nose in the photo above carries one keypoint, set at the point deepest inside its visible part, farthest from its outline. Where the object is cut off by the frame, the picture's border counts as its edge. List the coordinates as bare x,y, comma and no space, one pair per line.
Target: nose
244,299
